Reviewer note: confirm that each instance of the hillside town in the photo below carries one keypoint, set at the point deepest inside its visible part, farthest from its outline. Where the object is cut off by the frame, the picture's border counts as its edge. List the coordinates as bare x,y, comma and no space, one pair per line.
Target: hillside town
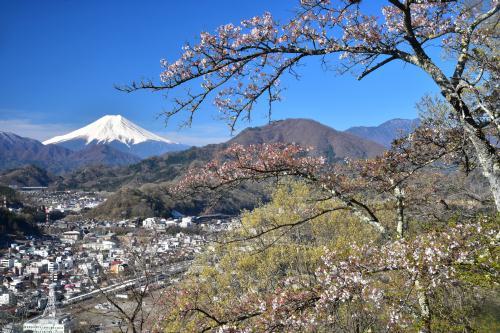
62,201
80,259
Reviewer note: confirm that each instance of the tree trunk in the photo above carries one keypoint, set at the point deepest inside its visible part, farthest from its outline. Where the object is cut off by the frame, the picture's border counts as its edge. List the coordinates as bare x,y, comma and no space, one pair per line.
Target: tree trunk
425,311
401,226
132,328
489,162
486,153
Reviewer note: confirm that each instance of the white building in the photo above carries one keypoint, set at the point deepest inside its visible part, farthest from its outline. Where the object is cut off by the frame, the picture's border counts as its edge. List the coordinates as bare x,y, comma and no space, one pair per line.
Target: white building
18,264
7,298
170,223
104,245
36,269
57,324
149,223
52,266
186,222
154,223
41,252
71,236
8,263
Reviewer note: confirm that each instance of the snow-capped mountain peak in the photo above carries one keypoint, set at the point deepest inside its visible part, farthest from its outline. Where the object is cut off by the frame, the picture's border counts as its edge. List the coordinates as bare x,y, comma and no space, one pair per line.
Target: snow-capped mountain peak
120,133
108,129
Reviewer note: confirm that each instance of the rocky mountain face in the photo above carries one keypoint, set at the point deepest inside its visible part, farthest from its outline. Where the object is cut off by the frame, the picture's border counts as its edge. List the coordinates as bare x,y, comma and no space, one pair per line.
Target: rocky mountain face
102,155
117,132
16,151
386,132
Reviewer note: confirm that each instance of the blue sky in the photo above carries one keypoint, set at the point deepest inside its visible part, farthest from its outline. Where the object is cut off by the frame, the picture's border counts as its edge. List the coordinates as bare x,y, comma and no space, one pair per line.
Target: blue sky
59,61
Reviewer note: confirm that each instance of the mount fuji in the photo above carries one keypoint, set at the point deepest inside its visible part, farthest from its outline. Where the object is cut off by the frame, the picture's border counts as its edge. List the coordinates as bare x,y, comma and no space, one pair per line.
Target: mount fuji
119,133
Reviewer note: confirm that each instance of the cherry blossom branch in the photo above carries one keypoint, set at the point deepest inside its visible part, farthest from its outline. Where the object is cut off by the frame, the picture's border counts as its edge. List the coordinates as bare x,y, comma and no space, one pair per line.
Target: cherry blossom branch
377,66
466,39
275,161
261,46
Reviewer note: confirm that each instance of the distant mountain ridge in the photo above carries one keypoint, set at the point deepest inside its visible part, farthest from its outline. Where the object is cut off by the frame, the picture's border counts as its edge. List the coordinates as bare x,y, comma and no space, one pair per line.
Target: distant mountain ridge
17,151
141,186
120,133
386,132
326,141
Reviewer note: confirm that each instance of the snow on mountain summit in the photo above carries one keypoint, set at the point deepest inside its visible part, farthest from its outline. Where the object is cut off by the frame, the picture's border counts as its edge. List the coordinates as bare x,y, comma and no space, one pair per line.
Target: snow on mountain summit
108,129
117,132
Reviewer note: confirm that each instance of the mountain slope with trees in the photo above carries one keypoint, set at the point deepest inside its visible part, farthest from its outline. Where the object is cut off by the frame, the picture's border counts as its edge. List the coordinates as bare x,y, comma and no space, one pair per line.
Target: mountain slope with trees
143,187
29,175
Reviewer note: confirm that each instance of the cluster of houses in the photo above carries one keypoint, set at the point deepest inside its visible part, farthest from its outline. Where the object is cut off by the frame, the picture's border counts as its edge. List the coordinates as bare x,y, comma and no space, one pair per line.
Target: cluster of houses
75,260
64,201
78,256
27,269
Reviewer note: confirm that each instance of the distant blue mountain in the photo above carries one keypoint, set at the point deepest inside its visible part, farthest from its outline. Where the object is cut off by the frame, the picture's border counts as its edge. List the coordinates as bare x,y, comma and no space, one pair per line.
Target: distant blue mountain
386,132
17,151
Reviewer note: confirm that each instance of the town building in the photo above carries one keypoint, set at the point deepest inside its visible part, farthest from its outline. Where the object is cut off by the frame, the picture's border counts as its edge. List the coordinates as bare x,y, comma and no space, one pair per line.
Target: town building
56,324
8,298
50,321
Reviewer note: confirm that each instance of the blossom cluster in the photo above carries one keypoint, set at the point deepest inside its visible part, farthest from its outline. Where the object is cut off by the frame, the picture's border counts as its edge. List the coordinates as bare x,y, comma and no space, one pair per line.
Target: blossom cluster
253,162
429,19
239,64
380,282
366,275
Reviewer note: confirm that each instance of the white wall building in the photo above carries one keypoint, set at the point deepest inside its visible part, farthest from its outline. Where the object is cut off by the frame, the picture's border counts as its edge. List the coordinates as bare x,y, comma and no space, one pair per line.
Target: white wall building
104,245
41,252
186,222
7,298
154,223
150,222
71,236
57,324
8,263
